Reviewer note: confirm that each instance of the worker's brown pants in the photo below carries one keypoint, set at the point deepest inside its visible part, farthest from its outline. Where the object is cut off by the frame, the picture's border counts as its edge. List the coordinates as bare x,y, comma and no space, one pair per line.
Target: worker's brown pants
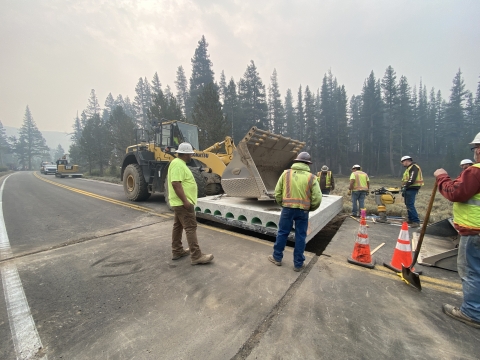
185,219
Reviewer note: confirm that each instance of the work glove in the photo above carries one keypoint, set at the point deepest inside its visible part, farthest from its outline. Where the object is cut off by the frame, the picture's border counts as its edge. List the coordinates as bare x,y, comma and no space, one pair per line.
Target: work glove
402,190
349,192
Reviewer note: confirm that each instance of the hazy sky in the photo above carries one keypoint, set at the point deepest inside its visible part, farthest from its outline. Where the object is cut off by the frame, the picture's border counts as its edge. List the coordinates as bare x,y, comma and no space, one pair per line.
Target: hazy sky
53,52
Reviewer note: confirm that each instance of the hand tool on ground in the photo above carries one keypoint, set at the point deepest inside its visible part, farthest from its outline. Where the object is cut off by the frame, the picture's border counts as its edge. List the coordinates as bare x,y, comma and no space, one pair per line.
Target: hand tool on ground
409,276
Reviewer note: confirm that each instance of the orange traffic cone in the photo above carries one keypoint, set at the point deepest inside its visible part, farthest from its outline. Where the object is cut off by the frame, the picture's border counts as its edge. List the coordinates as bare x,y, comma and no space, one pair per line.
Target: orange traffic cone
403,251
361,251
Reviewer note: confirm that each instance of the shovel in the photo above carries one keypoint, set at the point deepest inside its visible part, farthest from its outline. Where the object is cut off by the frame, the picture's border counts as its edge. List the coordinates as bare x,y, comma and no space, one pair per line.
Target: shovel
409,276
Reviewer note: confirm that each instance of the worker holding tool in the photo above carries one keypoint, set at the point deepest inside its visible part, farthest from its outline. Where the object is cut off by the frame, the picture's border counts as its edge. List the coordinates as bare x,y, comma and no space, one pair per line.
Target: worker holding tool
182,195
326,181
412,180
298,193
464,191
358,189
465,163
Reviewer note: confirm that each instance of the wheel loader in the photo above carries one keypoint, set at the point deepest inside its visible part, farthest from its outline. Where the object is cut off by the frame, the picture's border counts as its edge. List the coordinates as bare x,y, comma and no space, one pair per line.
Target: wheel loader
249,170
65,169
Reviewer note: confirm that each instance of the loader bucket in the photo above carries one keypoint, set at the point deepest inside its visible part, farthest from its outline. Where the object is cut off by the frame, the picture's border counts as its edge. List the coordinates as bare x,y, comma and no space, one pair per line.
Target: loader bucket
257,163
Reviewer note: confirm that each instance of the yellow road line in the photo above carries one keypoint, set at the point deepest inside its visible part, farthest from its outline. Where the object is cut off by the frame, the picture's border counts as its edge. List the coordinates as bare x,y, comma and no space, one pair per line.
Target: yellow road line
147,210
103,198
427,282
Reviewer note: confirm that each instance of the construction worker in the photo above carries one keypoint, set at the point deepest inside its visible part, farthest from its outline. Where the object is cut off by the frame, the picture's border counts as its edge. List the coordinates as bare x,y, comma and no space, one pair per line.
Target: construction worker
359,186
298,193
464,191
182,195
326,181
465,163
412,180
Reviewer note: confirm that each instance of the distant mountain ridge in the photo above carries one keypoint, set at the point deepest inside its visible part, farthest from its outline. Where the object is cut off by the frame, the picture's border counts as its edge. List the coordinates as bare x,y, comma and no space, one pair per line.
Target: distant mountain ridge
53,138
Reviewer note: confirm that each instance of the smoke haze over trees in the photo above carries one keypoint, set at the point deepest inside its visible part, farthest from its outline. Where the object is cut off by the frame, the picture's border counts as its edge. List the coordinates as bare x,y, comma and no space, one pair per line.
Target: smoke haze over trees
391,117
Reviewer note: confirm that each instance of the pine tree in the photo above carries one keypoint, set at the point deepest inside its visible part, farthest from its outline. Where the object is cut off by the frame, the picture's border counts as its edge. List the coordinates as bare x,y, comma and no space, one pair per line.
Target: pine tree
405,117
454,113
31,143
109,103
231,109
121,133
93,107
355,124
5,147
275,106
289,115
340,146
222,87
182,89
422,114
95,145
208,116
390,98
372,125
156,85
142,103
299,117
202,73
59,152
252,97
165,107
310,125
119,101
129,108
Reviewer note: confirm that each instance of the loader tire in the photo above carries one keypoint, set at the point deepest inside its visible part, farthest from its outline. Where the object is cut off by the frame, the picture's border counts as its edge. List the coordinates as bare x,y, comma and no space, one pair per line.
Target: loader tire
199,180
134,184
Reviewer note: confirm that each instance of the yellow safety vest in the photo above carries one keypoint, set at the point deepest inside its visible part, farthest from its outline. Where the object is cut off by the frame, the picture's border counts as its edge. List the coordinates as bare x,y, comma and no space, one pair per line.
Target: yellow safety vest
418,181
360,181
467,214
297,194
328,181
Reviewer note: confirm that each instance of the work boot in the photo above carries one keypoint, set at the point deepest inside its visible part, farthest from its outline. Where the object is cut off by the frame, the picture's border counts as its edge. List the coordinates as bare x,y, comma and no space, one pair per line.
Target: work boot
414,225
204,259
272,260
299,268
457,314
179,256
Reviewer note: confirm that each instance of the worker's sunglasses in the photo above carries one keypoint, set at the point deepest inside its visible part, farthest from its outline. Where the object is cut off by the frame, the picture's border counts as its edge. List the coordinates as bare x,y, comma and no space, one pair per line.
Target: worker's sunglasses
473,148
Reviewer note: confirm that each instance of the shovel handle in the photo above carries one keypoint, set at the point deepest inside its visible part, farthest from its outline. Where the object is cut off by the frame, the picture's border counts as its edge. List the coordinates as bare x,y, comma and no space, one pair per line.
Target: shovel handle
424,226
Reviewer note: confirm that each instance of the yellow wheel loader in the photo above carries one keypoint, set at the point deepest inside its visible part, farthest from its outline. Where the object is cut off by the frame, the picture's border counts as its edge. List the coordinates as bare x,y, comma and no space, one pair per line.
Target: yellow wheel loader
250,170
65,169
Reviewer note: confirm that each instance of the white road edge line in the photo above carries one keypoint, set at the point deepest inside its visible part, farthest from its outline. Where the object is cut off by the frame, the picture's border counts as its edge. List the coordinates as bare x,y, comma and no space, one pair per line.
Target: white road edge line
25,336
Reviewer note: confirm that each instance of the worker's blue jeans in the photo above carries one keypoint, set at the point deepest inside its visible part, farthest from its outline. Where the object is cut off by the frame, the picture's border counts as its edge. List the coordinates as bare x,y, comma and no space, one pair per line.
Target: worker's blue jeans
358,196
468,265
410,195
287,218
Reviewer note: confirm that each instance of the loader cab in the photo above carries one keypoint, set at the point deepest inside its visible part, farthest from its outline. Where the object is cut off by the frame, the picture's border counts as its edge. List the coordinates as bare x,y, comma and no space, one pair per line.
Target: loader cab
173,133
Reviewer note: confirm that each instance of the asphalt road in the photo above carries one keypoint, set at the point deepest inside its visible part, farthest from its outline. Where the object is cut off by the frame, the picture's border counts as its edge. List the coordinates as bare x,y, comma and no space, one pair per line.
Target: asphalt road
43,214
88,275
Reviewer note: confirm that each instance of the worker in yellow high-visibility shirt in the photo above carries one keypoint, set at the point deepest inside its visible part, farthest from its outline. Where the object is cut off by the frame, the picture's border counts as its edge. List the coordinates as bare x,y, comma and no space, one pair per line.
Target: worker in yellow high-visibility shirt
359,186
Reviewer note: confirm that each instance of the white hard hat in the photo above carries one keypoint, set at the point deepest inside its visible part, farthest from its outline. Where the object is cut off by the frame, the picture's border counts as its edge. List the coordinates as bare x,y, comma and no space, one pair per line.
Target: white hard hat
406,157
466,161
185,148
356,167
324,168
476,140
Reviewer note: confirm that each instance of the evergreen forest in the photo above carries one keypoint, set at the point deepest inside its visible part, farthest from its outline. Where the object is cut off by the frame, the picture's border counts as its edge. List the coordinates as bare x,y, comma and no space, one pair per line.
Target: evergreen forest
388,119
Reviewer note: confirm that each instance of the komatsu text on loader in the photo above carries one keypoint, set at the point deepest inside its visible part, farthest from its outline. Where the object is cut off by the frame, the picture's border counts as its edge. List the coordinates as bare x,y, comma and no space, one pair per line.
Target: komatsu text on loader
249,170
